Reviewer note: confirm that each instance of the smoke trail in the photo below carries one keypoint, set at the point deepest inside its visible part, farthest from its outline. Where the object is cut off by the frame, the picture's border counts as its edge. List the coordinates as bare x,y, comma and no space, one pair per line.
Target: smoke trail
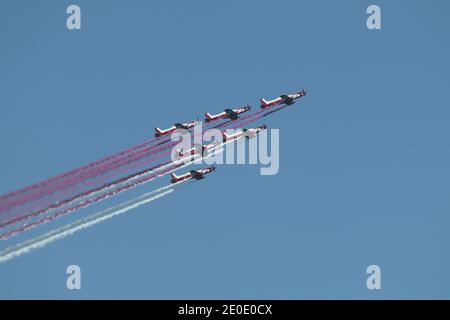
82,224
273,111
78,175
115,173
38,212
258,117
179,164
82,176
103,188
152,142
74,171
84,195
88,200
71,228
150,151
60,198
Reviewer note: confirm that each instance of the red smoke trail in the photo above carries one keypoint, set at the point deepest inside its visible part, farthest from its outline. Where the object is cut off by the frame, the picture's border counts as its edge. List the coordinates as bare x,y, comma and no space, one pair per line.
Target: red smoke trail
52,184
51,202
74,171
143,163
78,206
225,124
71,181
103,179
80,174
239,120
174,143
126,169
81,195
257,118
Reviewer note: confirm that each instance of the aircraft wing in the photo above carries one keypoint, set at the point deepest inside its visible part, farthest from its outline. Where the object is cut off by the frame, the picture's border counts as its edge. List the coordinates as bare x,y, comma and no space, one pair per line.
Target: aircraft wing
230,113
288,100
196,174
180,126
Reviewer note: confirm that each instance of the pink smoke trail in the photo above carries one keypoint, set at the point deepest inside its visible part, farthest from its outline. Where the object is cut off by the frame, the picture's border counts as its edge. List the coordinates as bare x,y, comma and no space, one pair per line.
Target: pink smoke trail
17,219
81,195
78,206
50,201
74,171
68,182
79,174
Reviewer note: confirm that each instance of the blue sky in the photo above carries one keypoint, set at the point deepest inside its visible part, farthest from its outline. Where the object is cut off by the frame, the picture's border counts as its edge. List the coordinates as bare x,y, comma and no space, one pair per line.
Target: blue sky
364,158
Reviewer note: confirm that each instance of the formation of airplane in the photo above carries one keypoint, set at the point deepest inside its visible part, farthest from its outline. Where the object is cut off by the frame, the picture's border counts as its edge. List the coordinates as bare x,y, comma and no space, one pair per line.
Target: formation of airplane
187,125
193,174
201,149
227,113
246,132
232,114
287,99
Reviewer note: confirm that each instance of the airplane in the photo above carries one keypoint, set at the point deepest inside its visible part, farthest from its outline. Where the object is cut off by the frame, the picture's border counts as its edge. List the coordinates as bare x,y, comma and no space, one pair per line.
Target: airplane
187,125
251,132
246,132
197,149
193,174
287,99
227,113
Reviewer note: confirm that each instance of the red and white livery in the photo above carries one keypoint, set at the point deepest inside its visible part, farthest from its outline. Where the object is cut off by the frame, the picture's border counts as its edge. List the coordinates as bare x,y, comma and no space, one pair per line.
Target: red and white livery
227,113
246,132
193,174
287,99
187,125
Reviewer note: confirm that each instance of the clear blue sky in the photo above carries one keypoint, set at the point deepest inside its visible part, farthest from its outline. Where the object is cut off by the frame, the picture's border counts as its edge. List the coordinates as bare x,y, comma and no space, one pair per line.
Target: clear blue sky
364,173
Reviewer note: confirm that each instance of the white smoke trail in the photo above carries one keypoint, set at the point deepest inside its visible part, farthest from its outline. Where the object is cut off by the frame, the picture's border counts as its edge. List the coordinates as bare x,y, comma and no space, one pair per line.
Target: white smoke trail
116,185
81,224
193,159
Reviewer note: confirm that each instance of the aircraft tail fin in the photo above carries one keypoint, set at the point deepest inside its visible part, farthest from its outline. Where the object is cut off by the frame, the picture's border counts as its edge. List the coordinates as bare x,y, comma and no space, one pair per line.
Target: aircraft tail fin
208,117
225,136
263,102
173,177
